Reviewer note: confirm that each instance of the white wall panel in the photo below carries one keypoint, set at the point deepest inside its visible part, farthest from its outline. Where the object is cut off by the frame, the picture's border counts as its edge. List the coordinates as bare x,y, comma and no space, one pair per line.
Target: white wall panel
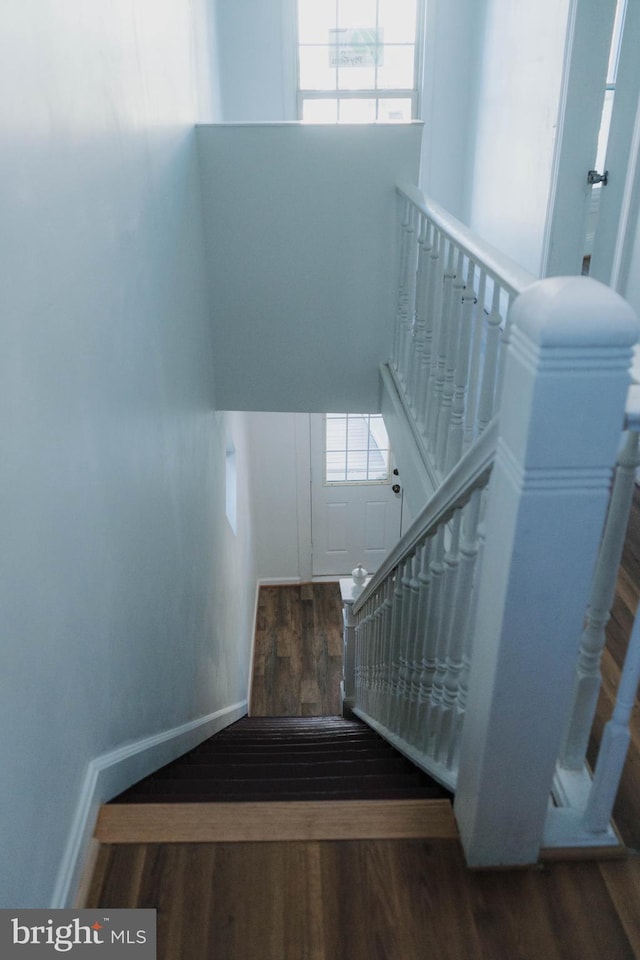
518,92
301,227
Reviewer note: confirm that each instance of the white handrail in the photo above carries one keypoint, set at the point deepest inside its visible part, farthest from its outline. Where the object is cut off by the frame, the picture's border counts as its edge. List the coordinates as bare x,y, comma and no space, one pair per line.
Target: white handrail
511,275
468,474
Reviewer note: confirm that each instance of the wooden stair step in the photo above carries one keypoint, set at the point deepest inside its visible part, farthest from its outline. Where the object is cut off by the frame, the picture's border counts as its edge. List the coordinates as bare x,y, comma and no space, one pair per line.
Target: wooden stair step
300,751
285,793
209,789
304,820
278,770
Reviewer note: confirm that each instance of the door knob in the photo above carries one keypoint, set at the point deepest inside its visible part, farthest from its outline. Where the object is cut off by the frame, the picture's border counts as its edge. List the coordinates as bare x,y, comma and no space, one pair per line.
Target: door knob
396,488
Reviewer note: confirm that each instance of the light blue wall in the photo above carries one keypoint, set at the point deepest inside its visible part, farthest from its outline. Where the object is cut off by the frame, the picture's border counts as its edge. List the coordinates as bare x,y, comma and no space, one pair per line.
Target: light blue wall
126,600
257,56
301,238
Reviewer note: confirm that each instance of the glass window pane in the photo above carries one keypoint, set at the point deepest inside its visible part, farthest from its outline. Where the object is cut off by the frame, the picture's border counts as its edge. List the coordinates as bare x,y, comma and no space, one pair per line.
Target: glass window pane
336,433
396,109
336,465
357,111
397,71
315,19
356,78
356,13
320,111
358,432
315,72
367,455
398,20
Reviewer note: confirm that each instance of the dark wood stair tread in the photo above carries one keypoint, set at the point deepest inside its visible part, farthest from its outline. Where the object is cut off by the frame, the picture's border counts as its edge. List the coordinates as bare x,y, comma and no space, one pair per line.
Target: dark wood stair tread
290,758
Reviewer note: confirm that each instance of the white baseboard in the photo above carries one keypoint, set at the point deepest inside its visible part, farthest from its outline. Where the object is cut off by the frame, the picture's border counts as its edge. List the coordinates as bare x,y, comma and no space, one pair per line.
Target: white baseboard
277,581
112,772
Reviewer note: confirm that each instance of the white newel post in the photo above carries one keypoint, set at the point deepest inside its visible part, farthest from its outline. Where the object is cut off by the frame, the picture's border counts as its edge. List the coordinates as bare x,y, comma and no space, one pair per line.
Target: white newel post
561,415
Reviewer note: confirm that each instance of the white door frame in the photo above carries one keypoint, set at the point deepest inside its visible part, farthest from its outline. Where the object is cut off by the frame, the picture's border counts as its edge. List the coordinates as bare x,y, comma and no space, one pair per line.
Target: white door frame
620,199
589,31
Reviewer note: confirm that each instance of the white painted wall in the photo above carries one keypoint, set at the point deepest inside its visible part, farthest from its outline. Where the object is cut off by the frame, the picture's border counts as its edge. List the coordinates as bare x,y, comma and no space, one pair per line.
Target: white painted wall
518,93
126,599
452,59
301,231
279,445
257,54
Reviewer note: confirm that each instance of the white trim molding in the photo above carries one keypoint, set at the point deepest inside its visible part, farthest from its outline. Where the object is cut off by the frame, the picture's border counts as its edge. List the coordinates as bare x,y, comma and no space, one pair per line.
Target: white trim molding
110,773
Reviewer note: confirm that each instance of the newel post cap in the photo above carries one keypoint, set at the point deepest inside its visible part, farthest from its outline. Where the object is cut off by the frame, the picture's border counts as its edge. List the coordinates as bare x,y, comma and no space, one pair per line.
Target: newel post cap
575,312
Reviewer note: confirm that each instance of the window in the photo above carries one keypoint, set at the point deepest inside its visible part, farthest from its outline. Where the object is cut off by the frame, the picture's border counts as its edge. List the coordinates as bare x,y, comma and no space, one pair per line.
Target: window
358,60
356,448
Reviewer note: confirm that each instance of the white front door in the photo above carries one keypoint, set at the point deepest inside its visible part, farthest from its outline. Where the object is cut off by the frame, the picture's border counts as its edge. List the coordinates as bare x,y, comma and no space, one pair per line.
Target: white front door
355,512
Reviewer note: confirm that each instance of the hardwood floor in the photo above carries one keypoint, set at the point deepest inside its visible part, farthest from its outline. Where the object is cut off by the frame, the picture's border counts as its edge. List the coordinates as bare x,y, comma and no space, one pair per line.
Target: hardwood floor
369,900
298,651
383,899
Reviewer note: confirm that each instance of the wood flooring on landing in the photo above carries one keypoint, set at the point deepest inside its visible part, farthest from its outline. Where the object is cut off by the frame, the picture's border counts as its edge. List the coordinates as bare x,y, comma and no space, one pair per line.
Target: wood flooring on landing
298,651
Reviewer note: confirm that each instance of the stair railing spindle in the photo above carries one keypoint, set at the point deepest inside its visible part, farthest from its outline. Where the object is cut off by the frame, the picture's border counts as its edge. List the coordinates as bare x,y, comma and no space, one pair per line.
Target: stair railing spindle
588,677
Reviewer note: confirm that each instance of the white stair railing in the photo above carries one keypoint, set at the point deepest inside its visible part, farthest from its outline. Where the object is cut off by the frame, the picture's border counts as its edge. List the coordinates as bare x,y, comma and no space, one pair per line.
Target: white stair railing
582,805
451,329
412,625
469,667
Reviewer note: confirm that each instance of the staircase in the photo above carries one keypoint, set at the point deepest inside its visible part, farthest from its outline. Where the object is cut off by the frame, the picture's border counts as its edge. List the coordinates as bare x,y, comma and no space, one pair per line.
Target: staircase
282,778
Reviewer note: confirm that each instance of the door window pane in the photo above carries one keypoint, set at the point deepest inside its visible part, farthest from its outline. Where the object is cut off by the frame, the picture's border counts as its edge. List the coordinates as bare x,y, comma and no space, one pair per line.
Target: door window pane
356,448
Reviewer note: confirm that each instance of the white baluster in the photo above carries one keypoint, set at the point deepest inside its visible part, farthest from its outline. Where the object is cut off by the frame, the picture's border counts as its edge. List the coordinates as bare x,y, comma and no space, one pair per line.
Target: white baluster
615,742
455,437
505,339
486,403
388,639
409,301
401,311
448,348
450,560
409,641
424,652
451,287
436,669
402,643
394,665
460,637
422,277
432,313
475,366
398,662
603,591
451,646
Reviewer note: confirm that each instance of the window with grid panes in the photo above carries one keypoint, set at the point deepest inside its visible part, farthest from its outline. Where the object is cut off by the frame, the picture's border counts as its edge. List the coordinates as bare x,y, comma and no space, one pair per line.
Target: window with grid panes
356,448
358,60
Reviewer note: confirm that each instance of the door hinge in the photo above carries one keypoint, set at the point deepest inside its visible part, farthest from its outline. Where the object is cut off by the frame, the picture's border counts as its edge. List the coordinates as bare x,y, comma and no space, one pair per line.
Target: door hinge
594,177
